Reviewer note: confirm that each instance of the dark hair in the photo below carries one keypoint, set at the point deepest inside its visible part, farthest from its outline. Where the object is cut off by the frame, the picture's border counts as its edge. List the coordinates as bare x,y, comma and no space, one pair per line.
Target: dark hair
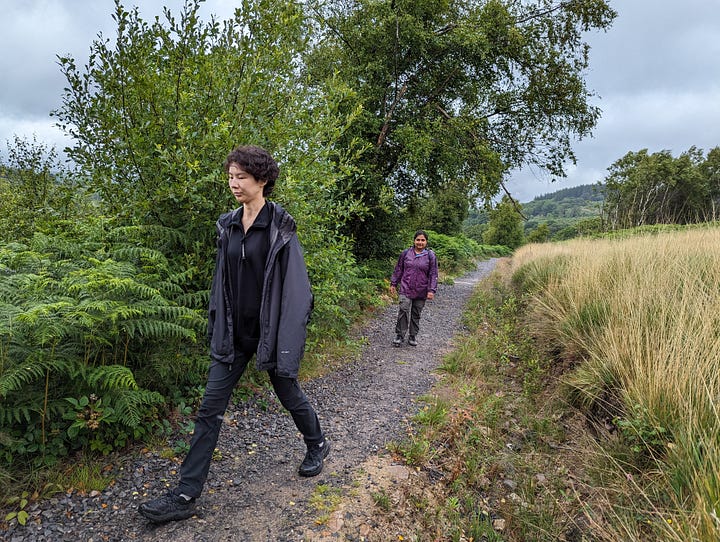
421,232
257,162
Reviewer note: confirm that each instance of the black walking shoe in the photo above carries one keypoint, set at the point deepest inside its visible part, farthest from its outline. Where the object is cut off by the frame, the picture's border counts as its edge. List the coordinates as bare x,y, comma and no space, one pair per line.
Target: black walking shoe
398,341
170,507
312,465
412,341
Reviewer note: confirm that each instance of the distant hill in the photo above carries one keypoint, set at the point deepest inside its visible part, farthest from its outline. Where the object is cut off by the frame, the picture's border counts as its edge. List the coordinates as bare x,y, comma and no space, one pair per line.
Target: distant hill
583,191
576,202
561,211
562,208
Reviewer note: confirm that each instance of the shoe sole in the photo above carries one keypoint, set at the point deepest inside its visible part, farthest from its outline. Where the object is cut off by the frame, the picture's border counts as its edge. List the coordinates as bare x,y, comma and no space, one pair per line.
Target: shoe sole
166,517
309,474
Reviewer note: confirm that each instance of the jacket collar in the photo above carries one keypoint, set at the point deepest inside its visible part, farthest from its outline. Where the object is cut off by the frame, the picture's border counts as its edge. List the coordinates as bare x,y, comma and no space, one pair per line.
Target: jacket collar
281,223
262,220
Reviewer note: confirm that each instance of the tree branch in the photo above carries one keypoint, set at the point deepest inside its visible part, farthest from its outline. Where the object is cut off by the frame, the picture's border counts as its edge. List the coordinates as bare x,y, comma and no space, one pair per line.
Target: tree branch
541,13
516,205
388,116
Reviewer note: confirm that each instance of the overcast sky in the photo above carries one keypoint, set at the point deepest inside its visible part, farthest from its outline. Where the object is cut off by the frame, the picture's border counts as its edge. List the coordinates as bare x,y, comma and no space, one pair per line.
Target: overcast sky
656,73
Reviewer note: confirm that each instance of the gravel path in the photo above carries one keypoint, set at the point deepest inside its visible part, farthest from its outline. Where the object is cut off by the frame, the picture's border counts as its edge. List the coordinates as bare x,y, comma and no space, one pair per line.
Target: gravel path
253,492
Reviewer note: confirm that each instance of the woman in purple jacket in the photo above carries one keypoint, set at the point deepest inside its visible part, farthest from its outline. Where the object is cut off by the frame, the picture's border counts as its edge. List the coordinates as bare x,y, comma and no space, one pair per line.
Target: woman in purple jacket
415,279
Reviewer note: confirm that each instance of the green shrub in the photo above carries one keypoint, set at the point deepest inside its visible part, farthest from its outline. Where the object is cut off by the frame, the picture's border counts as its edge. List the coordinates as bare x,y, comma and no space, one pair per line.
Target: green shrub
455,253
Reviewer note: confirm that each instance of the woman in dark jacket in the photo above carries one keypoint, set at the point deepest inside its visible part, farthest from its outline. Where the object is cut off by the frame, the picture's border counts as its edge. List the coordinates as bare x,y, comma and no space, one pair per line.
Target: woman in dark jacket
260,303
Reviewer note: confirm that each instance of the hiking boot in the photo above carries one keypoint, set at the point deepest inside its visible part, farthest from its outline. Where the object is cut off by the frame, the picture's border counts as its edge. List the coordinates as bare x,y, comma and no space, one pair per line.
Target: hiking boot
412,341
170,507
312,465
398,340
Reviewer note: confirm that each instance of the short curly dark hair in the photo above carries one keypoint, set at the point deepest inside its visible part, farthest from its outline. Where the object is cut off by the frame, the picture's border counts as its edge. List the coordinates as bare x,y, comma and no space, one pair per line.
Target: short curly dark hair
257,162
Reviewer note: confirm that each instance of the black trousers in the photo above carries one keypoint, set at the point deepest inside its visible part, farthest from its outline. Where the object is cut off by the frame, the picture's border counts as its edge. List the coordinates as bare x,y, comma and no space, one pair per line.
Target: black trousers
222,379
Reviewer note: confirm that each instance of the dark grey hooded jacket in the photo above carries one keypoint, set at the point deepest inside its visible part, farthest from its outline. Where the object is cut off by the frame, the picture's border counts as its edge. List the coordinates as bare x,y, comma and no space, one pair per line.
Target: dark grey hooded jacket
286,299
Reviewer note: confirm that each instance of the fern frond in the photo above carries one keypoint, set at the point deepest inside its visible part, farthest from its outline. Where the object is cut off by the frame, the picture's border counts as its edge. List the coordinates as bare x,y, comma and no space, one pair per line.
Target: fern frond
132,405
14,414
98,310
25,408
157,329
171,312
167,287
150,234
91,283
44,322
18,287
59,247
194,300
111,377
141,254
28,372
20,257
8,314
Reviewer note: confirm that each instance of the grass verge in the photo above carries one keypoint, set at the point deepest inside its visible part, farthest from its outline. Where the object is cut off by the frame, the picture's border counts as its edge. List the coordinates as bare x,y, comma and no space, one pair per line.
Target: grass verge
495,444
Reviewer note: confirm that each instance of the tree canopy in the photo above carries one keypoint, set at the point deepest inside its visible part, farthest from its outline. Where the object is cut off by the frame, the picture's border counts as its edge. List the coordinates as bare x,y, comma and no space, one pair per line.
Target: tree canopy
402,99
643,188
155,112
460,89
505,225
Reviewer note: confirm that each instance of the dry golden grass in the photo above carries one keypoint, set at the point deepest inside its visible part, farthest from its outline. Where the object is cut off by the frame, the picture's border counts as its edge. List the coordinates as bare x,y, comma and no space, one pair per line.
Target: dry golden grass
641,316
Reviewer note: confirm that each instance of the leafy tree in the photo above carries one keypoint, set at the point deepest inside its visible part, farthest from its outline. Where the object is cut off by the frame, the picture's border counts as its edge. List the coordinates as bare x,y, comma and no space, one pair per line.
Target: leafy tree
539,234
445,211
505,226
477,216
710,171
475,224
154,113
36,192
459,89
644,188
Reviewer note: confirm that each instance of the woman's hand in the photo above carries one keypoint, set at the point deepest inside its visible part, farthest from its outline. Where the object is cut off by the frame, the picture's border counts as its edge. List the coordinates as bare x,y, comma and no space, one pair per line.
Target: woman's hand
393,290
431,295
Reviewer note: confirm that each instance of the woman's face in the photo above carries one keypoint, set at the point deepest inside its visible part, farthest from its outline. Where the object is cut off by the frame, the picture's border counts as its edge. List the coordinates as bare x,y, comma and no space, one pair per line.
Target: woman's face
420,243
244,186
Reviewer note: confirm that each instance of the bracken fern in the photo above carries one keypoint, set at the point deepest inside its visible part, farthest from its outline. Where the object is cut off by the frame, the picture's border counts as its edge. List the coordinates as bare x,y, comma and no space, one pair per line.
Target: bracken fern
77,323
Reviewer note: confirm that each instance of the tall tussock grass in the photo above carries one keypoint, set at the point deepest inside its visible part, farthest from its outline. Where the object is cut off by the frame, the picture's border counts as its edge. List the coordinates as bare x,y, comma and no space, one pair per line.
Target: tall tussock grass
639,318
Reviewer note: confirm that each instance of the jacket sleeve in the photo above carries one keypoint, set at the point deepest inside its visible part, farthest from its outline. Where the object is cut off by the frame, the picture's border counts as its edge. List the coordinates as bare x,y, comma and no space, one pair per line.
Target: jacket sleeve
295,307
212,310
214,292
399,269
433,275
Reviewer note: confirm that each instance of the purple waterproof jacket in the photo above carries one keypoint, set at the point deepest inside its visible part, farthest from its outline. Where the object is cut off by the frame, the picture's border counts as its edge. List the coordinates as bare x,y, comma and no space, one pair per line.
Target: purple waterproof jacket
417,274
